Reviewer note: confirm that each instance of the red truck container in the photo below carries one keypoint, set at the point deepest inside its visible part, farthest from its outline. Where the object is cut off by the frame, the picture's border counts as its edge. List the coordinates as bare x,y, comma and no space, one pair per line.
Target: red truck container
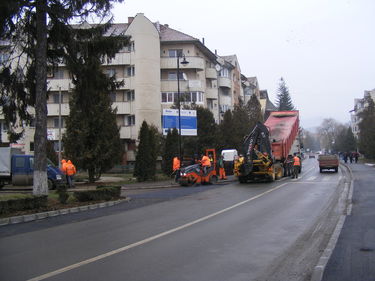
283,127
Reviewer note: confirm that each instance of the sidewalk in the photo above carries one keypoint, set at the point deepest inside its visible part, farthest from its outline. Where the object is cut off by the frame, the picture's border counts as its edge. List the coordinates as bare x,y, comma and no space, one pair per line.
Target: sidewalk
353,258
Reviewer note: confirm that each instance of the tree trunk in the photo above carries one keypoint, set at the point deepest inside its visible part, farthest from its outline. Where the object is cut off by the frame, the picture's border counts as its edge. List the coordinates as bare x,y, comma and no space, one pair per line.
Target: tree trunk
40,138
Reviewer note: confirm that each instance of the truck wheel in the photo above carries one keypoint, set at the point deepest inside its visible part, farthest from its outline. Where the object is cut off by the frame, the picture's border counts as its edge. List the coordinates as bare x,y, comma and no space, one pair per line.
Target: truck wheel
336,170
321,170
1,184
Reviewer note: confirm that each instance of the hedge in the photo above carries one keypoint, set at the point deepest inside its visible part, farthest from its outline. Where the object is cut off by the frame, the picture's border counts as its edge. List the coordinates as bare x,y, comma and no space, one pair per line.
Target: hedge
101,193
12,205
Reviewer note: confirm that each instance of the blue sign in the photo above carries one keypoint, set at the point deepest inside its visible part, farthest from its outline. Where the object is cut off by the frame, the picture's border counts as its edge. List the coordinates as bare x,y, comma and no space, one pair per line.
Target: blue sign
188,120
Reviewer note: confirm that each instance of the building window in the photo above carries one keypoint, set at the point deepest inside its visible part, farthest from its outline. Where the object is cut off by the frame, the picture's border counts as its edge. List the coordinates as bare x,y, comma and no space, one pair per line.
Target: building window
129,120
173,53
129,95
130,71
172,75
31,146
56,98
58,74
110,72
224,72
112,96
195,97
56,122
56,146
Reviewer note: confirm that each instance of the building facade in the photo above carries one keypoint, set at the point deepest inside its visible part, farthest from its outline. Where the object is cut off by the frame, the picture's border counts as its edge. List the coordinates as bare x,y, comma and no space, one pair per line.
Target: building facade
148,67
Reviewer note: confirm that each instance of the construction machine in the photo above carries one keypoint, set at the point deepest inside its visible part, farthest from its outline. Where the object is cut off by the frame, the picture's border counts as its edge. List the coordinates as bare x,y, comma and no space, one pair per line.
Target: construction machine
268,149
194,174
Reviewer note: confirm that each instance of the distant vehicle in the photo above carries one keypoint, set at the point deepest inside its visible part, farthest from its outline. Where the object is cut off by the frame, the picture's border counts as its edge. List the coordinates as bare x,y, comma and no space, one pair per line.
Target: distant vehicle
228,158
328,162
311,155
18,169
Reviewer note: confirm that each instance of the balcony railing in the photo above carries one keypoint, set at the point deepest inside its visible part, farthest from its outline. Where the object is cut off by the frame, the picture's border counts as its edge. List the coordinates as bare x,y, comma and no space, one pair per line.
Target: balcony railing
211,93
53,109
65,84
120,59
224,82
128,132
171,63
211,73
122,107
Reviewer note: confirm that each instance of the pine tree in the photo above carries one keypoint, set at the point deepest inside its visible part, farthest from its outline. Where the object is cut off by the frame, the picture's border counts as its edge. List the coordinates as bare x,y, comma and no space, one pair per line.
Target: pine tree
24,25
283,99
170,150
92,138
226,138
144,158
367,129
242,125
254,110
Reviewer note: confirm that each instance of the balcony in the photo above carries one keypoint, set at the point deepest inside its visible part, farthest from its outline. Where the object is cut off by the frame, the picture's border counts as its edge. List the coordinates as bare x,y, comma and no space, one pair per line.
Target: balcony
171,85
129,83
171,63
122,107
211,93
120,59
128,132
54,84
224,82
53,109
211,73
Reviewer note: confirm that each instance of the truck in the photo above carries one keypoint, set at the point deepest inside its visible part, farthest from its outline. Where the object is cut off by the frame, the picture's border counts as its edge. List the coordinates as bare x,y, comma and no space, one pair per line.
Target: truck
17,169
328,162
268,150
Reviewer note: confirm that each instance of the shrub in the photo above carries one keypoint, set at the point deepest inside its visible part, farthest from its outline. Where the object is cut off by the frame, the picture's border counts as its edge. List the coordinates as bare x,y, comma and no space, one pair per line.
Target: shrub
34,202
101,193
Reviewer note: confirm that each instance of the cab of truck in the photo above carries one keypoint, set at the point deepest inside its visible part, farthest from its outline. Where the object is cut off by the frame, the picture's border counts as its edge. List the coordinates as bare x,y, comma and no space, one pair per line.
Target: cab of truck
23,170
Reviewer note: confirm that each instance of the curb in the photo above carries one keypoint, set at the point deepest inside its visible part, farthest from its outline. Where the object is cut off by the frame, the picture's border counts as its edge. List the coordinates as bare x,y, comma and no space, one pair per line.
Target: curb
44,215
318,271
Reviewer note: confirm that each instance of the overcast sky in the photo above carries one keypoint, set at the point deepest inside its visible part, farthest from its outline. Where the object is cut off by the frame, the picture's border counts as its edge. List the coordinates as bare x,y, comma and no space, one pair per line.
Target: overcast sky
324,49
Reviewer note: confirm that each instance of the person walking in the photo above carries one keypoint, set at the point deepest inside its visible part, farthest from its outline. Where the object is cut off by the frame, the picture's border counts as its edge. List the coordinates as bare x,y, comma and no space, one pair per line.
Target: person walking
70,171
296,166
222,175
176,168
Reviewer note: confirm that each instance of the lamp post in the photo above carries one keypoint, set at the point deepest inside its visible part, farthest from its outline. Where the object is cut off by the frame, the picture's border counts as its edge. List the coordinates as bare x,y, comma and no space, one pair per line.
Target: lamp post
184,62
60,126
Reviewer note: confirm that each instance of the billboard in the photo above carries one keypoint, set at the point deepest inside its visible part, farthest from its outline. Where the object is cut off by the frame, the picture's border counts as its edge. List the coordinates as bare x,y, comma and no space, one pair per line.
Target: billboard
188,121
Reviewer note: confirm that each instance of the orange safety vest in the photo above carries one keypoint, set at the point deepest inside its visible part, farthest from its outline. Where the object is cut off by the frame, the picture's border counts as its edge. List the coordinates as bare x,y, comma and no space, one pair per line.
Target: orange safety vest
176,164
297,161
206,161
70,169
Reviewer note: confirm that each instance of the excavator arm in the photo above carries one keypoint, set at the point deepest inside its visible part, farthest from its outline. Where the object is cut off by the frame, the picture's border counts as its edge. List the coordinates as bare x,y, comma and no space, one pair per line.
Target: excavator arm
258,143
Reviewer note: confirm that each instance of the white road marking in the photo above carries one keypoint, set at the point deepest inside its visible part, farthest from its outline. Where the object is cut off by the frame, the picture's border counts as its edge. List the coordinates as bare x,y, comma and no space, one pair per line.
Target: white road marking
311,178
147,240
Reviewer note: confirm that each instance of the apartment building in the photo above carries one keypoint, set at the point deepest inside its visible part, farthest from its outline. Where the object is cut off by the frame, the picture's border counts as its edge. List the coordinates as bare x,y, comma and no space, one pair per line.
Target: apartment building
149,69
359,106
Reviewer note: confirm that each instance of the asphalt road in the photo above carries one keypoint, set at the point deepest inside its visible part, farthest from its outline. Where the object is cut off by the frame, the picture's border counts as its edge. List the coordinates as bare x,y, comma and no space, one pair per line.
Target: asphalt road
354,255
262,231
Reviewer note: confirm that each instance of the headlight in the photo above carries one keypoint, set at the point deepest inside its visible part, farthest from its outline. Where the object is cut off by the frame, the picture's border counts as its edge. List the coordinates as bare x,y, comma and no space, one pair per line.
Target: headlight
58,177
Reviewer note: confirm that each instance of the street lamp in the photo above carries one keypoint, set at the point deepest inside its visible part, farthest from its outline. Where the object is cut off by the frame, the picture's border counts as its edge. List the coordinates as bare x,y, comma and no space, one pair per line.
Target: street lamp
184,62
60,126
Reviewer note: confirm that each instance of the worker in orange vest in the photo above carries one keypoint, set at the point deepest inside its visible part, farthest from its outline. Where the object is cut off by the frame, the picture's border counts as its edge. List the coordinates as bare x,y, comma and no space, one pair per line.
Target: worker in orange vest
296,166
176,167
206,163
222,175
63,168
70,171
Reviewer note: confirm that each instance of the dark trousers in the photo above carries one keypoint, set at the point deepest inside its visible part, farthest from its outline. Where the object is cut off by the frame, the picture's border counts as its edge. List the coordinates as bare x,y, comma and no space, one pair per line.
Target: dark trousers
295,172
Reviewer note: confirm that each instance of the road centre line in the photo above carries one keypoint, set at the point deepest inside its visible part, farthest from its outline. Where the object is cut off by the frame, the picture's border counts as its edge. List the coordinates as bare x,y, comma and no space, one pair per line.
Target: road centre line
147,240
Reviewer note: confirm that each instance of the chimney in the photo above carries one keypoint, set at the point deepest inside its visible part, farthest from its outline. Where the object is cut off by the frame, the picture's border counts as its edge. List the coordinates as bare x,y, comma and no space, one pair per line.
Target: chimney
203,40
215,52
166,25
130,19
157,26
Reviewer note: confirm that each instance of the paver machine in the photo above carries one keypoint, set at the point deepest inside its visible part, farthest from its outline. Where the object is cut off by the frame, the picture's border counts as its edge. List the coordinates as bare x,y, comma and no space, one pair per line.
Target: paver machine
193,174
